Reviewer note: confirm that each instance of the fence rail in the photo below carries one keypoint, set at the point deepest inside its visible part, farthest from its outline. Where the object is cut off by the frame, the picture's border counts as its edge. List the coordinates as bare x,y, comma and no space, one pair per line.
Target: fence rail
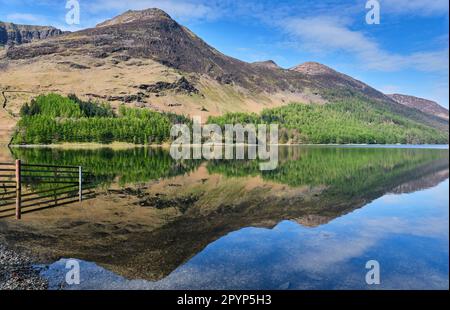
68,184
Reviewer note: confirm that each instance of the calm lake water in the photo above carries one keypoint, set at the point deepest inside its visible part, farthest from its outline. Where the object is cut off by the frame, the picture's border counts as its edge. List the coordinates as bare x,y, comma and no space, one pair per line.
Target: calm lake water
313,223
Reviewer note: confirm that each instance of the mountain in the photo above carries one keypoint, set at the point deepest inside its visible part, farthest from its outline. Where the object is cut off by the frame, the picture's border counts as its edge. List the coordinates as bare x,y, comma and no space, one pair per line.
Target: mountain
424,105
19,34
152,34
331,79
139,58
266,64
136,16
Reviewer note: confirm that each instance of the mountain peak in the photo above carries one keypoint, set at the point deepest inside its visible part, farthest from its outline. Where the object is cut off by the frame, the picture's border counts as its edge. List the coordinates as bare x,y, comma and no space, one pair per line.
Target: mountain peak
136,15
313,68
267,64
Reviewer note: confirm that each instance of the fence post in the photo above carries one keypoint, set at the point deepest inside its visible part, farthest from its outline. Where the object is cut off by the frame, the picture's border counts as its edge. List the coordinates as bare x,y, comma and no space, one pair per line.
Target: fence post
18,190
80,183
55,172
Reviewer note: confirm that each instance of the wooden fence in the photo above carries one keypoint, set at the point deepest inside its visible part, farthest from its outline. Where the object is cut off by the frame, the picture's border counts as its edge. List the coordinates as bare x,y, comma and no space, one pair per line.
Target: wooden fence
32,187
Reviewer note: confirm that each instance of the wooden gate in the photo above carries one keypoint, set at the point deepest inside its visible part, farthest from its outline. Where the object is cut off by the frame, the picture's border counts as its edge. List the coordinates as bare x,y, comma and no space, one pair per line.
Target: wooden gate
30,187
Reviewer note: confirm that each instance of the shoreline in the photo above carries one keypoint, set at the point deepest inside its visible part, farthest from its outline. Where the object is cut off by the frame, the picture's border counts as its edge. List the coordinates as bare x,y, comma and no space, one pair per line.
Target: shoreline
18,272
123,145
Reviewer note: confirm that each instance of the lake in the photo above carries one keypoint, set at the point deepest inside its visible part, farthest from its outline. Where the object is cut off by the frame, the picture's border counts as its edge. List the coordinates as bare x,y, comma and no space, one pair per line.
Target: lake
313,223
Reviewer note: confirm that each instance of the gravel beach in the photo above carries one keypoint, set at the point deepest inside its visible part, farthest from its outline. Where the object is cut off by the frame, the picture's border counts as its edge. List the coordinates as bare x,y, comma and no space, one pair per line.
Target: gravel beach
17,272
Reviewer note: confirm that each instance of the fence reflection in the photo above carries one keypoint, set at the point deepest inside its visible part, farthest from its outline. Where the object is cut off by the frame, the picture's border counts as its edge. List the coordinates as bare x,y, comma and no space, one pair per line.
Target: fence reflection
26,188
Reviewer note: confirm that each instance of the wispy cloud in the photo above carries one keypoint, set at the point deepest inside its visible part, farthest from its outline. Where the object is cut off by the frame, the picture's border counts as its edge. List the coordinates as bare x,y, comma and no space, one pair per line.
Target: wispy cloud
26,18
415,7
325,34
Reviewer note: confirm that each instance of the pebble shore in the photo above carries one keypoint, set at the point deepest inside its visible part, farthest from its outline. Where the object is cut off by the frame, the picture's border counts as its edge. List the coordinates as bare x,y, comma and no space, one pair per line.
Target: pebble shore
17,272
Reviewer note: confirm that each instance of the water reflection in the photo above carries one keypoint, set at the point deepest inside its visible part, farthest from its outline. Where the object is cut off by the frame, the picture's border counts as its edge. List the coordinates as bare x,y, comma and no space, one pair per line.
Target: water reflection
339,167
124,166
229,225
409,240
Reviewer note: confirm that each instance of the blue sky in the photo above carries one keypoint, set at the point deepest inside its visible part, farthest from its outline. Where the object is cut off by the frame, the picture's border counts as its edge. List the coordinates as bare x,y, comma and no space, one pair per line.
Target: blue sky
406,53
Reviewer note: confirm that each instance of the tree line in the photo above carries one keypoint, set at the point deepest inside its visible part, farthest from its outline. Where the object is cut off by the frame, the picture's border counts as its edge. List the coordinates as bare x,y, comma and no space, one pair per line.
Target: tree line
53,118
352,121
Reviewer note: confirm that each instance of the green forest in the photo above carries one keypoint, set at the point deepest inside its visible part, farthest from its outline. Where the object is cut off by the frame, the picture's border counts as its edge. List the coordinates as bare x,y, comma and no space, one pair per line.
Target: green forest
352,121
53,118
50,119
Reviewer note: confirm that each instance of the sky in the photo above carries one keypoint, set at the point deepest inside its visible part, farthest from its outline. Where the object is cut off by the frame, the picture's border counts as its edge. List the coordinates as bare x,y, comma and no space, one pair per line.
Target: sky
407,52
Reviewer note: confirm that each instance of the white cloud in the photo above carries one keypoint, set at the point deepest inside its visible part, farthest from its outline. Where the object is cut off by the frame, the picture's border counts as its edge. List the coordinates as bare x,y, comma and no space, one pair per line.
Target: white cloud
415,7
26,18
327,34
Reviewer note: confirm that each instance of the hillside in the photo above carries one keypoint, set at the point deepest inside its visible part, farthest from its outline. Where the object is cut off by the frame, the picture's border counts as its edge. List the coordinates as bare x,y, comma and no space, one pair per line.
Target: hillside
146,59
330,79
345,122
424,105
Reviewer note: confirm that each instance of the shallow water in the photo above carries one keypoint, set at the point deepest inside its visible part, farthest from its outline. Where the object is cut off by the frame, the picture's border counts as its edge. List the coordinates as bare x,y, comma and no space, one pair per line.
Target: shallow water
313,223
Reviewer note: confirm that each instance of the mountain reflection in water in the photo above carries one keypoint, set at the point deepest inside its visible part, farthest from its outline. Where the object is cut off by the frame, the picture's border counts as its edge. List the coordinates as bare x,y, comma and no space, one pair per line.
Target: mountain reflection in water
225,224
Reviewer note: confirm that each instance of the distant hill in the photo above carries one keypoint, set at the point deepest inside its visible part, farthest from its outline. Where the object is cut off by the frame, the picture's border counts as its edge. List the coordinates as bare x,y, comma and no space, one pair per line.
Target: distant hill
266,64
424,105
19,34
